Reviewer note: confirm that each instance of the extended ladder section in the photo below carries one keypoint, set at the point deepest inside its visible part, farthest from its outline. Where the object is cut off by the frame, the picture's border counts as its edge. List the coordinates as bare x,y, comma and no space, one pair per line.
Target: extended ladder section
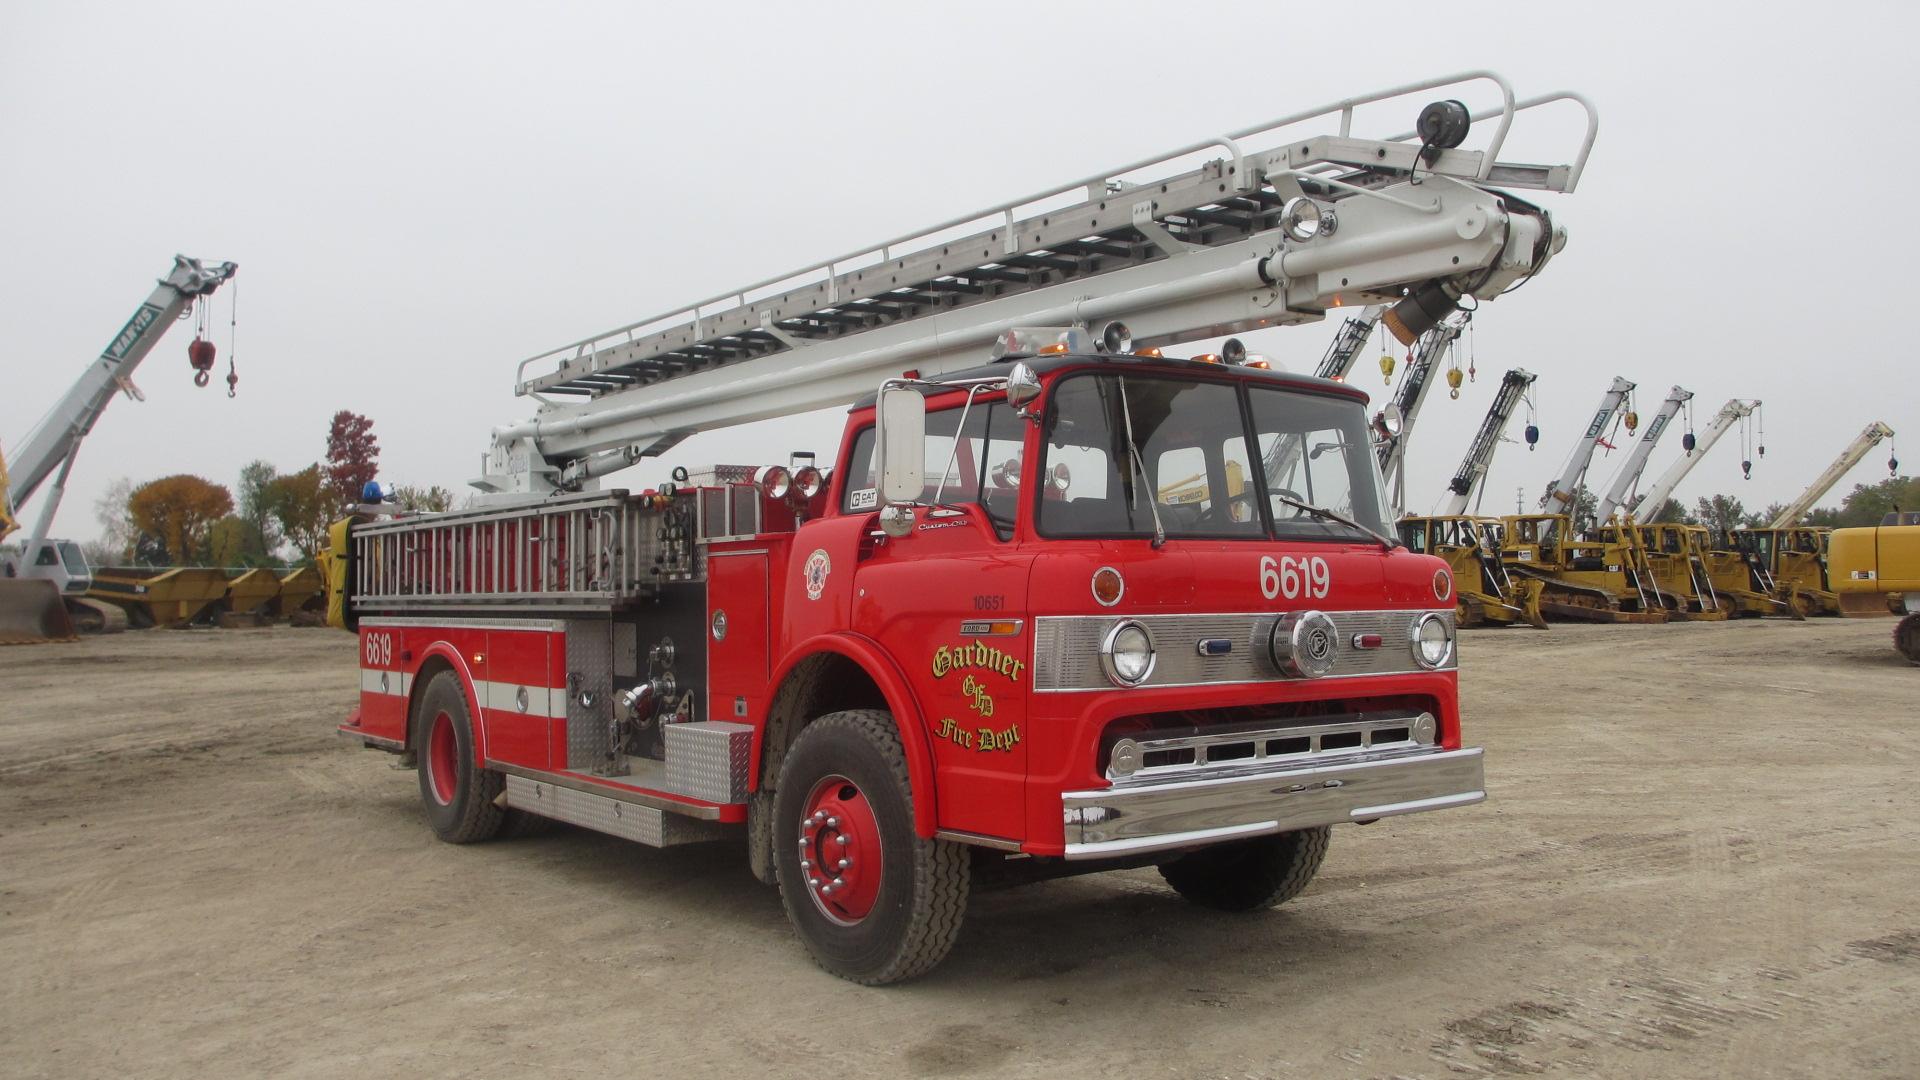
1286,220
1346,345
1656,496
1399,417
1636,462
1857,449
1473,469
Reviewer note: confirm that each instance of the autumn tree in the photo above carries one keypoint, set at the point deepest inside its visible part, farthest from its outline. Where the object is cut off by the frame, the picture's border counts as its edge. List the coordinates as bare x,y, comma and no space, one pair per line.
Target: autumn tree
229,540
302,505
177,512
353,456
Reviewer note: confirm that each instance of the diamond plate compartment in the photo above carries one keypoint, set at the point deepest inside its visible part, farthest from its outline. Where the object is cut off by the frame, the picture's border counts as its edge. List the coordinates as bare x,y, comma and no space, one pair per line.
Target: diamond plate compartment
708,760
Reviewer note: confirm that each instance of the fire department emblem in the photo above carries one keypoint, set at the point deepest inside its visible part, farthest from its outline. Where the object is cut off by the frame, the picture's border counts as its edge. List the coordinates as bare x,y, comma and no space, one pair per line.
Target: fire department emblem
815,572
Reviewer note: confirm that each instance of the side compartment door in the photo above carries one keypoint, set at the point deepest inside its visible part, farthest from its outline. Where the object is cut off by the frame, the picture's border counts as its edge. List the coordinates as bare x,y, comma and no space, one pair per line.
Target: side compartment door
739,598
514,682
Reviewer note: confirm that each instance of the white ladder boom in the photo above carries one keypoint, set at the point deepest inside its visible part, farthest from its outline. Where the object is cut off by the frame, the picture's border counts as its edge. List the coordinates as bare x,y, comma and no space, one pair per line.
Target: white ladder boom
1255,238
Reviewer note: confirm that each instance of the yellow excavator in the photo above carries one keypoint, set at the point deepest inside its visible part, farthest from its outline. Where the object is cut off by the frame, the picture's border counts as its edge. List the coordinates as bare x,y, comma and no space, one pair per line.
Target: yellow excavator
1877,568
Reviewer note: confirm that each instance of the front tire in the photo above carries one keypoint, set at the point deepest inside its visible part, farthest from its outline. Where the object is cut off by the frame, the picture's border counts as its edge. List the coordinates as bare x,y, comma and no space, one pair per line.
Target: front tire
1251,875
458,794
874,903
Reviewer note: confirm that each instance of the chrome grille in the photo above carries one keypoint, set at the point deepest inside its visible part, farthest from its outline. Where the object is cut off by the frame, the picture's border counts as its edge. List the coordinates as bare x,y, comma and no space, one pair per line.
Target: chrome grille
1067,648
1229,753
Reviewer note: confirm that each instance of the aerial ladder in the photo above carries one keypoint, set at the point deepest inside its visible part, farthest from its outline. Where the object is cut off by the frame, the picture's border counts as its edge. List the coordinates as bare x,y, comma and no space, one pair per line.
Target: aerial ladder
1484,591
1395,424
1581,578
1790,557
42,592
1257,237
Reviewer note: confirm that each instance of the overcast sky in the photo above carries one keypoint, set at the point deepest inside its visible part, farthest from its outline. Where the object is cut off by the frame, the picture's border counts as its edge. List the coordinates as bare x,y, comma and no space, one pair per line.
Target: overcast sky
420,195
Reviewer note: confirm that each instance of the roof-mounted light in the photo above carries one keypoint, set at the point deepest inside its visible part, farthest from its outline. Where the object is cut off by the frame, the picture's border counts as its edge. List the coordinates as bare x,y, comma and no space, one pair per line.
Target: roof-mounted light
1041,341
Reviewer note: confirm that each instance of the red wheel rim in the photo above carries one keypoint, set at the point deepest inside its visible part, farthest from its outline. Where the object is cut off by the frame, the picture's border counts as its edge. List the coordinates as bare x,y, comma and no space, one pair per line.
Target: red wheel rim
840,860
443,765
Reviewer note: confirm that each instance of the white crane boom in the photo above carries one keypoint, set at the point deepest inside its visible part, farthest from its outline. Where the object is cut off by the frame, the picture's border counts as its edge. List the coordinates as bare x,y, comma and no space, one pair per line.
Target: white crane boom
1656,496
1636,462
1857,449
53,446
1268,236
1405,408
1559,498
1473,470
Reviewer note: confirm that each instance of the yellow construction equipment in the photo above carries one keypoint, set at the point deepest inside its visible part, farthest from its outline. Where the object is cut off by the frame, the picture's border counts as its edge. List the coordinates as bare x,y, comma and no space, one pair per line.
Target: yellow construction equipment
172,596
1878,568
1485,593
301,591
1579,579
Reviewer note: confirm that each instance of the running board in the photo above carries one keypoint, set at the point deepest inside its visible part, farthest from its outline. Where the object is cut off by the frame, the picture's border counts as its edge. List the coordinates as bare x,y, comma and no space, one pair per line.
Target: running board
649,825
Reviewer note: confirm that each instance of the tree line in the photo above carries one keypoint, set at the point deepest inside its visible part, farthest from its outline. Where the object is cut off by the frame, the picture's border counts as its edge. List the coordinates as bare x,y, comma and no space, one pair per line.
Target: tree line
187,520
1866,504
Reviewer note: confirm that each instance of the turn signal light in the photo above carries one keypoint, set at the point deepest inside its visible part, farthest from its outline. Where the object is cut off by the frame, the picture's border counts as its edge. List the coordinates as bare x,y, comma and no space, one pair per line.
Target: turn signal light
1108,586
1209,358
1150,353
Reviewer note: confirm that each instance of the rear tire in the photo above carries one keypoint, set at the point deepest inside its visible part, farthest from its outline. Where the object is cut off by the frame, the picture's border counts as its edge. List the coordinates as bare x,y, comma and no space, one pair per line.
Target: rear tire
458,794
1251,875
1906,638
892,909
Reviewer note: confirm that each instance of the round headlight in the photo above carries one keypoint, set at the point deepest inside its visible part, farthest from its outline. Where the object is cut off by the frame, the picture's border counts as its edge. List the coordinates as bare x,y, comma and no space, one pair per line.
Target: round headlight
1304,644
1432,639
774,480
1127,654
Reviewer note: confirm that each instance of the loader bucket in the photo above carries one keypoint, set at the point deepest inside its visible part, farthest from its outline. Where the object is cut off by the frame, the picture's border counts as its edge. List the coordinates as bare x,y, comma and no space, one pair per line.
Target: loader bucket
31,612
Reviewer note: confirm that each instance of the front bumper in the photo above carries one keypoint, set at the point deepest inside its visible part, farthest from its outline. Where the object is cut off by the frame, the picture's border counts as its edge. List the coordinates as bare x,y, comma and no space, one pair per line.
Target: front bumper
1132,819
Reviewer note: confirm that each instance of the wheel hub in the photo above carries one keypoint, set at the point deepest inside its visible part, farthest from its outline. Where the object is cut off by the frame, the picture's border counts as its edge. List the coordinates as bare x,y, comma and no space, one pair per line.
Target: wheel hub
443,769
840,860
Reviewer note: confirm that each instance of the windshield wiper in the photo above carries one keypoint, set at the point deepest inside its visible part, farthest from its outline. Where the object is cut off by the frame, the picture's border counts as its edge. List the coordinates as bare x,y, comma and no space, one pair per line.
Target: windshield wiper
1133,451
1387,543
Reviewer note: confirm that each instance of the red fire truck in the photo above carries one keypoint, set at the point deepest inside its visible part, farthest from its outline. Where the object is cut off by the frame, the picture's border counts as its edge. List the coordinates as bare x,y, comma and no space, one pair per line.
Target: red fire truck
1062,601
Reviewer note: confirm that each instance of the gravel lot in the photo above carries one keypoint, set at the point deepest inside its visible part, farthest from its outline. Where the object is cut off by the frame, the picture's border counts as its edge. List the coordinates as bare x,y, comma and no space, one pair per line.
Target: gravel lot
1701,857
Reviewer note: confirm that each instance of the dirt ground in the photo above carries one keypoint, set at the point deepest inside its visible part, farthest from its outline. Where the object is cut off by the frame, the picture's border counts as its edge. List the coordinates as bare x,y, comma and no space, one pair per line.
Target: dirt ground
1700,858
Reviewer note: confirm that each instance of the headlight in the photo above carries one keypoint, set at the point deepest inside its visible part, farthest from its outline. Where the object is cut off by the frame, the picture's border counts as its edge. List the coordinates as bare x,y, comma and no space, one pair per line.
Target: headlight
1432,640
1127,654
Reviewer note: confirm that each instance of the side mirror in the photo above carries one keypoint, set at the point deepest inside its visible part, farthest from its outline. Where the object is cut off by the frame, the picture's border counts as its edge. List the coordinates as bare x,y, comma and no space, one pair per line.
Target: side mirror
902,438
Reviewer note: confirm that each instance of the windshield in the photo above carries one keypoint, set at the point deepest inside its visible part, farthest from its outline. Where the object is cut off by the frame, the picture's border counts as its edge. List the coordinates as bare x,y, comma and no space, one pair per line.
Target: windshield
1193,462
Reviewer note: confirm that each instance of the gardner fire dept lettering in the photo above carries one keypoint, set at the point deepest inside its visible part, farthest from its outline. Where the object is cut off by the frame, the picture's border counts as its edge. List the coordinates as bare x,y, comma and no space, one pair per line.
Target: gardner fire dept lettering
975,654
985,740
